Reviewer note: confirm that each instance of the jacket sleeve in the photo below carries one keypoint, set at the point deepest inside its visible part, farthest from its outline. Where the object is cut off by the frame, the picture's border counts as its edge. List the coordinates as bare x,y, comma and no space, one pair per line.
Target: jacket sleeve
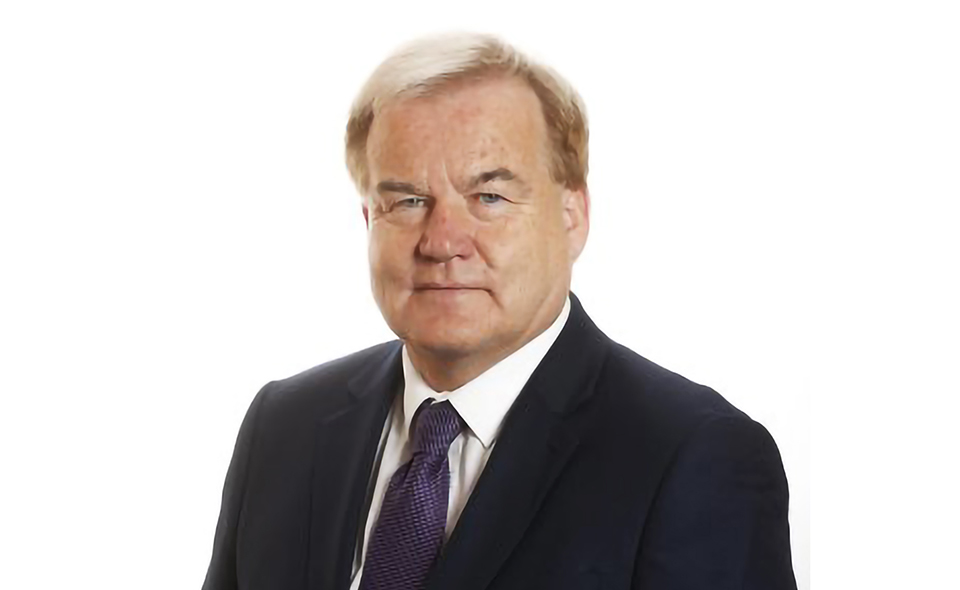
222,572
720,518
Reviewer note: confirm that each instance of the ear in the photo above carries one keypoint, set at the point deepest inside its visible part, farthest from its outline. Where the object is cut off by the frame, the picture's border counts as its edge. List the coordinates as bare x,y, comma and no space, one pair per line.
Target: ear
576,218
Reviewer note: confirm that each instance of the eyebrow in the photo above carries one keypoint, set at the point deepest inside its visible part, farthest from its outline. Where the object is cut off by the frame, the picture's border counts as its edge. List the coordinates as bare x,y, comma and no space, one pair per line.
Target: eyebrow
501,173
392,186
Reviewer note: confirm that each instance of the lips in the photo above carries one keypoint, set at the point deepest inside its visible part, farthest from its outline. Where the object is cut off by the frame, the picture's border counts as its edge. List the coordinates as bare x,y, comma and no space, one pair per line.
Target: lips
446,287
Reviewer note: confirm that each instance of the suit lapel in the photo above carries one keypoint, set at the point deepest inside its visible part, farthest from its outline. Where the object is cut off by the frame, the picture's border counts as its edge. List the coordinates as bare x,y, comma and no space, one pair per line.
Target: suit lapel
347,441
536,441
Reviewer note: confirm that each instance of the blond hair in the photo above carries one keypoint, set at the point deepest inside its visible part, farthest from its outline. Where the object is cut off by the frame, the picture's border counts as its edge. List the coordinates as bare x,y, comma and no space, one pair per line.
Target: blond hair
427,64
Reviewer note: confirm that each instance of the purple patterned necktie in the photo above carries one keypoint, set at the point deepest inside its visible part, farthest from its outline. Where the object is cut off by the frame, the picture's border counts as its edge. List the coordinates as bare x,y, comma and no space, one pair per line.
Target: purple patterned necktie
409,532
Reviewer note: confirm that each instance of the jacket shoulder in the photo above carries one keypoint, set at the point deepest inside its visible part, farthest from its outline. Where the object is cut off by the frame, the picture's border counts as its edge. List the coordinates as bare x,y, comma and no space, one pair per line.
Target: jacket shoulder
319,387
658,398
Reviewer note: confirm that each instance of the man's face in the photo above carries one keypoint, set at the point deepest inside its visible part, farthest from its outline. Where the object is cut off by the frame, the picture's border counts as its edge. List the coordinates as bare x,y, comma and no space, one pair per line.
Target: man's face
471,241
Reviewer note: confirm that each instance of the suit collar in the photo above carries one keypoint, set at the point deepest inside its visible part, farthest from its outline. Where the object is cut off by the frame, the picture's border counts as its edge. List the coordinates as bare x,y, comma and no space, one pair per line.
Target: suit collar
382,378
565,377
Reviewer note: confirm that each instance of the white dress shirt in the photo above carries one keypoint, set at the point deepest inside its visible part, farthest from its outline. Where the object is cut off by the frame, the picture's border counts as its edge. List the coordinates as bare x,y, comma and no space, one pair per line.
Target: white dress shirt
482,404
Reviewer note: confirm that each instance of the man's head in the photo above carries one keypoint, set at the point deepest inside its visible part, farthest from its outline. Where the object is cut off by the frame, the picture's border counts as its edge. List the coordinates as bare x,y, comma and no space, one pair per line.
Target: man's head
472,163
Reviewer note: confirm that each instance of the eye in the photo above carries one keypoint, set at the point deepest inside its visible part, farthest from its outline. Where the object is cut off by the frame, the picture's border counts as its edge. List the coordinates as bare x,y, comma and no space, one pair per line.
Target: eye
412,202
489,198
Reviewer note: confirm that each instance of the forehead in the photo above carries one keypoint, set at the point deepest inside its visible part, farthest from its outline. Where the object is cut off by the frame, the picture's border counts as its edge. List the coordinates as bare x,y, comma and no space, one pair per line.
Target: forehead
462,125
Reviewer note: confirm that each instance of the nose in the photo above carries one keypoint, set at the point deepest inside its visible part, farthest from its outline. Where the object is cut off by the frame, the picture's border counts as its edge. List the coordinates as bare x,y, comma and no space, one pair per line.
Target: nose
448,232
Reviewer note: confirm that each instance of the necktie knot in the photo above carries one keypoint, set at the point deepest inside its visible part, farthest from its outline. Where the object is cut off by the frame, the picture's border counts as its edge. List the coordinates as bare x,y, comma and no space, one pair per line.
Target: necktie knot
435,427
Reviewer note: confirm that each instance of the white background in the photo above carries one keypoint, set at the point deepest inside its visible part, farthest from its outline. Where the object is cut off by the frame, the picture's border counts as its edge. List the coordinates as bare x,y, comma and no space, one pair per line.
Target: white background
774,188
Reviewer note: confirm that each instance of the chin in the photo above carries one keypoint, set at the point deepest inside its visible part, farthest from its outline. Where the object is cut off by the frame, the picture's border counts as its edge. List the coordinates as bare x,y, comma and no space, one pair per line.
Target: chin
444,326
448,338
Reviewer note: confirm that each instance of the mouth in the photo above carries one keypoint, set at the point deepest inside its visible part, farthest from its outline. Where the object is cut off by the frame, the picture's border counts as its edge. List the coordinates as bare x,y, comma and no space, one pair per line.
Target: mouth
446,287
448,292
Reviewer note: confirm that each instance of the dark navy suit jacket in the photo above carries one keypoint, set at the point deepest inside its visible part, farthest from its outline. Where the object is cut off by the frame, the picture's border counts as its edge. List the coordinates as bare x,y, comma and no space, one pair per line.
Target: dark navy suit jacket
609,472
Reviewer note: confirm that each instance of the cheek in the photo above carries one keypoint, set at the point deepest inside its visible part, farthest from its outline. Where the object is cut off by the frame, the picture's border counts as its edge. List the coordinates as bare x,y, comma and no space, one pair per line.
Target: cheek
538,255
391,255
516,251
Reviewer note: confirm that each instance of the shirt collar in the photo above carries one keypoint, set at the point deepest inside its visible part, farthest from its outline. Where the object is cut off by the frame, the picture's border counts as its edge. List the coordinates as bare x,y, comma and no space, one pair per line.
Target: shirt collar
484,401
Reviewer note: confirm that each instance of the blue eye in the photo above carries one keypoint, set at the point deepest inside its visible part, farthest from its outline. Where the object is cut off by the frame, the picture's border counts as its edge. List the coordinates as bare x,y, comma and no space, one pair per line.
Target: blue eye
489,198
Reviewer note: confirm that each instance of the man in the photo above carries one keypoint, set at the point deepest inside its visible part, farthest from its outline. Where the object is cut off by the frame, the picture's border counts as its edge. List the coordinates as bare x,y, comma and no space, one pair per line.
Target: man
503,441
